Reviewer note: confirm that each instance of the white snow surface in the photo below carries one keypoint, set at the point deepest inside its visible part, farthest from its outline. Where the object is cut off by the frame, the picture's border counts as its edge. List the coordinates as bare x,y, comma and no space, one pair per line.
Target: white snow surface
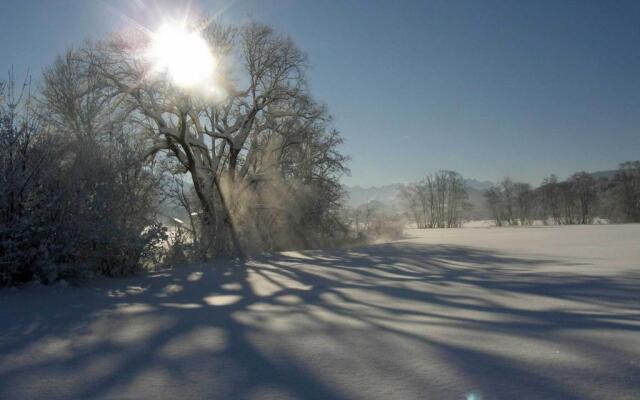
486,313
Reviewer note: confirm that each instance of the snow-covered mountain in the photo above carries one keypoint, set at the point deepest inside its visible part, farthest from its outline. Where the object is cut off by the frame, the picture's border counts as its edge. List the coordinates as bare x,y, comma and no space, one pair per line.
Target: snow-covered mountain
387,194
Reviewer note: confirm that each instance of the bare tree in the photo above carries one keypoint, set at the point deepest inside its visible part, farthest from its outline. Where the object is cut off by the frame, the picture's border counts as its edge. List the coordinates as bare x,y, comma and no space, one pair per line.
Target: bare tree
550,194
584,187
511,203
494,199
437,201
524,202
626,188
416,204
456,199
568,203
18,129
218,142
508,195
78,196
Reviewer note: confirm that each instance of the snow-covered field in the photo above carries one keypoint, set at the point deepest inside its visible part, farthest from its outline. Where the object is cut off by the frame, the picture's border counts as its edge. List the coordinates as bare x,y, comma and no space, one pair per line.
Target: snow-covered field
485,313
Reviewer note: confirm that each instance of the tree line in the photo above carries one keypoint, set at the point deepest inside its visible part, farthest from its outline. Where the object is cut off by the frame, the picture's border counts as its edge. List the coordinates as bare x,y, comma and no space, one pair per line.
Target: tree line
90,154
577,200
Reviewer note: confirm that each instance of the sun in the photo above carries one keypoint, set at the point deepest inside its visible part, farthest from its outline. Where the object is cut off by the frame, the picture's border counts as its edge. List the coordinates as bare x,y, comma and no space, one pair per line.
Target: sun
182,54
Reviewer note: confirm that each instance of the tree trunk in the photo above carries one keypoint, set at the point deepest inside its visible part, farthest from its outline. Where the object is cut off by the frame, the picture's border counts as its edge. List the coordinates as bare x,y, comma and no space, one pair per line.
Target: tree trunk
233,163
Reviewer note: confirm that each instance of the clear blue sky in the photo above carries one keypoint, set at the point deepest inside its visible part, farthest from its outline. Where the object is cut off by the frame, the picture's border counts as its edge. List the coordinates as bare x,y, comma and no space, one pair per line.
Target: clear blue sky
488,88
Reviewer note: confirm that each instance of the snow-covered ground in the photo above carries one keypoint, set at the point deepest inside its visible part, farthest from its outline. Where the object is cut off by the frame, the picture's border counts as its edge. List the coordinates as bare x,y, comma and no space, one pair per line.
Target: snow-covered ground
488,223
485,313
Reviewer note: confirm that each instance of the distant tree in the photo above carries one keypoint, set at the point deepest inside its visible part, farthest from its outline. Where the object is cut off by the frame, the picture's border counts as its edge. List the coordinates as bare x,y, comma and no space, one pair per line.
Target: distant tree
495,201
524,197
456,199
551,201
626,188
584,187
438,201
568,201
509,200
511,203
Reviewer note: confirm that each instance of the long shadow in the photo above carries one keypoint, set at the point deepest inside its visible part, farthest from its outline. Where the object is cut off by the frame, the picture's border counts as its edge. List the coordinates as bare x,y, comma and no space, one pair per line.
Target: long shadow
207,332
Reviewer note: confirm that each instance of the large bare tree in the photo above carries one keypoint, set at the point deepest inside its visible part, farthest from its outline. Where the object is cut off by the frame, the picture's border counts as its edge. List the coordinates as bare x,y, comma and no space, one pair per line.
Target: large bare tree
217,140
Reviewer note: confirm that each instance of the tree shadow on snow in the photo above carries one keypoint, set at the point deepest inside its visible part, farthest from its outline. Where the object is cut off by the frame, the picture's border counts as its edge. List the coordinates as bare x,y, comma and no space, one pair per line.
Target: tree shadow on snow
314,325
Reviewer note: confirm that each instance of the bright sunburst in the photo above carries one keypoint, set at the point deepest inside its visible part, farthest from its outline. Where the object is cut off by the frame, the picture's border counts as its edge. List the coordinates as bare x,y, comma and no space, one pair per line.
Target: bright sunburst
183,54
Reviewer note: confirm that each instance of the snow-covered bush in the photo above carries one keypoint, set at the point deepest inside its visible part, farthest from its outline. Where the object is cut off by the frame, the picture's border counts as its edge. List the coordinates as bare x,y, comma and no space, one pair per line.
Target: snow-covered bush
71,204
